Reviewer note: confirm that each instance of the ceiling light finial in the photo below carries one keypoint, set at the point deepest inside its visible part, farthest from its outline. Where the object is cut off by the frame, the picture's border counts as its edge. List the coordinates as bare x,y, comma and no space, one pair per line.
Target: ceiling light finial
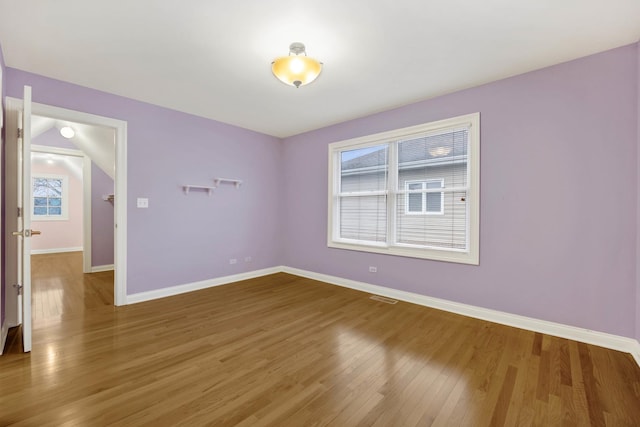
297,69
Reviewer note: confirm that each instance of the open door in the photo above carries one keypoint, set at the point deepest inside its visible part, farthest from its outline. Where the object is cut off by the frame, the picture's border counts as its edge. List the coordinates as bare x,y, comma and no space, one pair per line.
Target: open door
18,219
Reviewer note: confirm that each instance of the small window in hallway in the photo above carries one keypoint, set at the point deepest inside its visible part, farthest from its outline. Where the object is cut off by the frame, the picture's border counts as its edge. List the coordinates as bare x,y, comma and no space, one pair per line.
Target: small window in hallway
49,197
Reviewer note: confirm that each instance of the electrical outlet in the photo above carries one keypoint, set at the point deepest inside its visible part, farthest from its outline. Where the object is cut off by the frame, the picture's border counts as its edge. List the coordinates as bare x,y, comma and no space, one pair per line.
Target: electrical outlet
142,202
233,261
247,259
373,269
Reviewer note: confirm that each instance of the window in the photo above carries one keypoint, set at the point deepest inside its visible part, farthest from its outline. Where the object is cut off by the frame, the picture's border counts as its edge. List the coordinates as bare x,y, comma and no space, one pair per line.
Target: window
410,192
419,201
50,193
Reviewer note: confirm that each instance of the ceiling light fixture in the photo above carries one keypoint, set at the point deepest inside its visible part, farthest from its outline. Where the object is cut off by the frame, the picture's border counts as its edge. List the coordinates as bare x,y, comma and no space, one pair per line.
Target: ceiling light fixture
297,69
439,151
67,132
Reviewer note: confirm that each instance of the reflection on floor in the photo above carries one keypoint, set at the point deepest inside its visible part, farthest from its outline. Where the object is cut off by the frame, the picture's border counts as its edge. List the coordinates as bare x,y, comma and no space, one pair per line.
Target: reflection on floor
59,288
281,350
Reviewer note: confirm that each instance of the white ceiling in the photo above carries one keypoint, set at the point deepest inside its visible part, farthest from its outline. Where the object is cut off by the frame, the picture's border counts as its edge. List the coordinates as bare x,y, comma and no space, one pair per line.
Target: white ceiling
212,58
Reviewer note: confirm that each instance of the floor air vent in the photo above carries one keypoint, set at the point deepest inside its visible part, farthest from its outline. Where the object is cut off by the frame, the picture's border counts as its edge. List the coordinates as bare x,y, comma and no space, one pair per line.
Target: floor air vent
383,299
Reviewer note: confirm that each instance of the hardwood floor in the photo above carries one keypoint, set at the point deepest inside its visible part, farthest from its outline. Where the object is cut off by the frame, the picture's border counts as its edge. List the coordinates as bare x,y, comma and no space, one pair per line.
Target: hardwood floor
286,351
60,287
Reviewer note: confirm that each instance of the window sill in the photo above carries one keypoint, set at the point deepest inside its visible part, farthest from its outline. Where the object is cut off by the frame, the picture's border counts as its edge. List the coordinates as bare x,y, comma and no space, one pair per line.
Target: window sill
446,255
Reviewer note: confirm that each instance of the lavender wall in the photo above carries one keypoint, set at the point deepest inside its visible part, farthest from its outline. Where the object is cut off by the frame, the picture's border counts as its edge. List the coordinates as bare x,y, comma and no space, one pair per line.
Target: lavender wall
557,235
638,195
101,211
101,218
2,184
182,239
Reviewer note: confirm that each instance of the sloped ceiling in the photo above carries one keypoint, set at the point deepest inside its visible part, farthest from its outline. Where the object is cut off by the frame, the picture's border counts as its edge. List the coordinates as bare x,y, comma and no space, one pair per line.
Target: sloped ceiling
212,58
97,142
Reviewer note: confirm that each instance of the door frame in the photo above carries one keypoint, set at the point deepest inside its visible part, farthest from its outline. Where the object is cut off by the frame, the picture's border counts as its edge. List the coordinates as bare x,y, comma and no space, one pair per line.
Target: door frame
120,202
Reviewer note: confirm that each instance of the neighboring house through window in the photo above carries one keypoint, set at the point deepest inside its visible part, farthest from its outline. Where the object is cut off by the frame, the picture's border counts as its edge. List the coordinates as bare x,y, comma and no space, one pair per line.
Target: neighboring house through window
409,192
419,201
50,197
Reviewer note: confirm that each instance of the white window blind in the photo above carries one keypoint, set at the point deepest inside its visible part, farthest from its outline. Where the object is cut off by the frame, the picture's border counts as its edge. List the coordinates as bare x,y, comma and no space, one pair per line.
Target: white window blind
363,194
438,163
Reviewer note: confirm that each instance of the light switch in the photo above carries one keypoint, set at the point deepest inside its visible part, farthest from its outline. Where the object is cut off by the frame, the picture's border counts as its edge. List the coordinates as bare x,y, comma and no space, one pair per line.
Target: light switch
143,202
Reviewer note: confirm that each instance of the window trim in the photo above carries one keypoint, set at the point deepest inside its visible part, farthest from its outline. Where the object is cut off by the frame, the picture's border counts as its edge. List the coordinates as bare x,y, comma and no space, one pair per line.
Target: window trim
424,194
64,216
471,254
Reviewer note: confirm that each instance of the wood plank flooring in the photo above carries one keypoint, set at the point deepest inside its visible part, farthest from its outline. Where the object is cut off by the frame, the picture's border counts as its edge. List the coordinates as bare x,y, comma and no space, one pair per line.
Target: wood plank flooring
60,287
287,351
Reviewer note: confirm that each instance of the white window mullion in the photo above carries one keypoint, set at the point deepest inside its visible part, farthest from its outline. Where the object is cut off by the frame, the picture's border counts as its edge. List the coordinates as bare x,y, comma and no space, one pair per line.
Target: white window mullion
473,179
334,164
392,198
364,193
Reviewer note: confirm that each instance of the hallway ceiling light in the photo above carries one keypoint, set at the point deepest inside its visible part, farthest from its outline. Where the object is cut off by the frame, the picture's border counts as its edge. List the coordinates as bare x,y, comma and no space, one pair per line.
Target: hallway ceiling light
297,69
67,132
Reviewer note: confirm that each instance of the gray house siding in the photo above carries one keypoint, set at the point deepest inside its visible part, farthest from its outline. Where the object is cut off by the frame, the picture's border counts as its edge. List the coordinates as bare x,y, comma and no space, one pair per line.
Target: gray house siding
365,217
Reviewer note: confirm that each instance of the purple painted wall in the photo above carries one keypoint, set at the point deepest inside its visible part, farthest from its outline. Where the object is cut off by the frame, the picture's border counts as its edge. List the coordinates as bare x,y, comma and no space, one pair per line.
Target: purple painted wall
184,238
557,235
2,184
101,211
638,195
101,218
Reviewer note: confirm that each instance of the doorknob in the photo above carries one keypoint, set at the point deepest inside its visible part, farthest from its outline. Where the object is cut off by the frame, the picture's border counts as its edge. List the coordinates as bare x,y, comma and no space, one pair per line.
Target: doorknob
27,233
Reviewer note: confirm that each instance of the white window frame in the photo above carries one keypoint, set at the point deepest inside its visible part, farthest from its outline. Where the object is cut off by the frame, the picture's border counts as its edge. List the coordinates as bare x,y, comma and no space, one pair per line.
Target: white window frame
423,191
468,255
64,216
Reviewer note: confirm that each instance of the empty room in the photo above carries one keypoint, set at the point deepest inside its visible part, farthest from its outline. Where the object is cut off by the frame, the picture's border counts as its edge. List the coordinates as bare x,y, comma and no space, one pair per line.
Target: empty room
364,213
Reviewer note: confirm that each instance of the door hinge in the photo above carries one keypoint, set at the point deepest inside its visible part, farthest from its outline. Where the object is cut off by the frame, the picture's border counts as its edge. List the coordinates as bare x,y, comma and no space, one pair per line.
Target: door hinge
18,289
19,212
19,133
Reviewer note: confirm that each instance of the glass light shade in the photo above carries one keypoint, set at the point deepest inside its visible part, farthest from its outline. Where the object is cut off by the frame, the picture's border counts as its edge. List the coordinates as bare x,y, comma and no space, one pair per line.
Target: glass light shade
439,151
296,70
67,132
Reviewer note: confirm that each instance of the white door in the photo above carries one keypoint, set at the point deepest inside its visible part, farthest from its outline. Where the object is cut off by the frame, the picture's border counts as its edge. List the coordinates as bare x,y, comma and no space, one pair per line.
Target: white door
19,219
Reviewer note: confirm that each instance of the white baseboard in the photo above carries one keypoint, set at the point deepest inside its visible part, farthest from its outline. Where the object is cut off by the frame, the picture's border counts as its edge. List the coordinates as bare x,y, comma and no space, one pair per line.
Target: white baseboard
55,250
636,353
614,342
3,336
196,286
99,268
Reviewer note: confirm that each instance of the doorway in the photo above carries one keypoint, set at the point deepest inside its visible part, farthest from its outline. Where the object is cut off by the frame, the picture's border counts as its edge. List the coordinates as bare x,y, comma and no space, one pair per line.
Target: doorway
119,131
70,151
72,206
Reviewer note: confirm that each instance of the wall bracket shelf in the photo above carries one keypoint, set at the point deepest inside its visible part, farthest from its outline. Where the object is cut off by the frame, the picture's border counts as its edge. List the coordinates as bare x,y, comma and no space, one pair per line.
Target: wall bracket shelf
218,181
209,189
188,188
